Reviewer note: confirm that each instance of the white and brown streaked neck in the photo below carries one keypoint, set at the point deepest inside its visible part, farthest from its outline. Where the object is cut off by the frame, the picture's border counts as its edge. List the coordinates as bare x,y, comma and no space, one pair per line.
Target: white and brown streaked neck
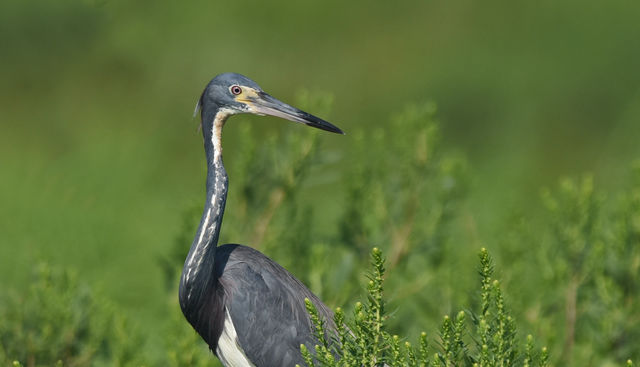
199,265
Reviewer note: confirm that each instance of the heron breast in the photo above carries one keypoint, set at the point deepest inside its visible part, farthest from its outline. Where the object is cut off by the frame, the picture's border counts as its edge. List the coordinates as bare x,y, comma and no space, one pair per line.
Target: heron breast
228,350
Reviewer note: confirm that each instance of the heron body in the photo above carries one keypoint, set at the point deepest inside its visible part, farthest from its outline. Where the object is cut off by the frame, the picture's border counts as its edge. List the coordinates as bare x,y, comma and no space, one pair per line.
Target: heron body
249,309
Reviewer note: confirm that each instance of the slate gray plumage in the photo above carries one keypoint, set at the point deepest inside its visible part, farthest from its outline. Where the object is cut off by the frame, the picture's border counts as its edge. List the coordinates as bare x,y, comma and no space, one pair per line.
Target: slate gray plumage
264,302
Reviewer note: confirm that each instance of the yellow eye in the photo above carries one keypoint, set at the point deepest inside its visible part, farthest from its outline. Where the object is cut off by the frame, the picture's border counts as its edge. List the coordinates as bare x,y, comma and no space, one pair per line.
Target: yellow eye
235,90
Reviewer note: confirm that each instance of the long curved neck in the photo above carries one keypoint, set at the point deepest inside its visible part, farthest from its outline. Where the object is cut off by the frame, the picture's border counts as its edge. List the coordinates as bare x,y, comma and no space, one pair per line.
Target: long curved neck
198,270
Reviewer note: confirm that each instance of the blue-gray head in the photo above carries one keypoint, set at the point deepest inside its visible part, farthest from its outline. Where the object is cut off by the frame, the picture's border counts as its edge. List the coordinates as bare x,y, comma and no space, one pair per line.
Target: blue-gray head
235,94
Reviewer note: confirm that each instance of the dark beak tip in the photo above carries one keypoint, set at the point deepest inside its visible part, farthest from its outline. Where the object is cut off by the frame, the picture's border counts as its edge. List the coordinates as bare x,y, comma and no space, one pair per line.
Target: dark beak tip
332,129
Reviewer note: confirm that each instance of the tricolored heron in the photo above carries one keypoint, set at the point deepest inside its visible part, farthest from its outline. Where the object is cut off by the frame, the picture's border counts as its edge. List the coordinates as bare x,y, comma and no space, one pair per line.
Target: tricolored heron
249,309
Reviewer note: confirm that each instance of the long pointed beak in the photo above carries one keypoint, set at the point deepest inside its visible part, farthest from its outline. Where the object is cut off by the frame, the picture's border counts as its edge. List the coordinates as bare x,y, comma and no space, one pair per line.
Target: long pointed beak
264,104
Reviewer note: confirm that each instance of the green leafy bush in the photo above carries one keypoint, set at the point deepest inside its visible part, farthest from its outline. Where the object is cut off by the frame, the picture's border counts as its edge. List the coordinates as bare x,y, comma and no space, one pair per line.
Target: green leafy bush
365,341
60,320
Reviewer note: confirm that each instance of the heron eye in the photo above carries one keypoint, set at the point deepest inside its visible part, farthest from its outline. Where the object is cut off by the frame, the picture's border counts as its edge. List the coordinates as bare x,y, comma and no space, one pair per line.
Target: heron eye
235,90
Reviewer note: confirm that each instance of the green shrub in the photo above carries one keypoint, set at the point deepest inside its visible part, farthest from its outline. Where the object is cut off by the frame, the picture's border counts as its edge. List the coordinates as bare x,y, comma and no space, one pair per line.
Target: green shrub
365,341
60,320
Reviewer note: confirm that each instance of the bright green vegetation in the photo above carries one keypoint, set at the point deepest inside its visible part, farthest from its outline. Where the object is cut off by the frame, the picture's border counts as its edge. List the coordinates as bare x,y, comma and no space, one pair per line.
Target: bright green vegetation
365,342
529,153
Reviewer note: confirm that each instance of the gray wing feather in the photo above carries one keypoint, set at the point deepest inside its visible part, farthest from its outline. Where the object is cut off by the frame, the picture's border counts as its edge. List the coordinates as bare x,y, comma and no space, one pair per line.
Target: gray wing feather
266,305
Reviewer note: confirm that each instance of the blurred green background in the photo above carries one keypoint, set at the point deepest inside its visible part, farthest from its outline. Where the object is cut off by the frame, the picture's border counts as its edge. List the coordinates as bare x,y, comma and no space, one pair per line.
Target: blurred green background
100,157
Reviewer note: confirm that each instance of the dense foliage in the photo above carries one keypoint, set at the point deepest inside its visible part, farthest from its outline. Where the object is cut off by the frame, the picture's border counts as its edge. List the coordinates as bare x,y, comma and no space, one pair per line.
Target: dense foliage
365,341
60,319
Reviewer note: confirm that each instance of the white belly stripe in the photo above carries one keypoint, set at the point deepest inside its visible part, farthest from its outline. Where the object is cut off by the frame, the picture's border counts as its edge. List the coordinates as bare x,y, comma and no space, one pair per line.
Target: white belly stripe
228,350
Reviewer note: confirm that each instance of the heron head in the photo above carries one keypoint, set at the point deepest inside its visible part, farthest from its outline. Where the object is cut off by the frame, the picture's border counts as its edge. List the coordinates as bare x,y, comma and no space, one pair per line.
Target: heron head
237,94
